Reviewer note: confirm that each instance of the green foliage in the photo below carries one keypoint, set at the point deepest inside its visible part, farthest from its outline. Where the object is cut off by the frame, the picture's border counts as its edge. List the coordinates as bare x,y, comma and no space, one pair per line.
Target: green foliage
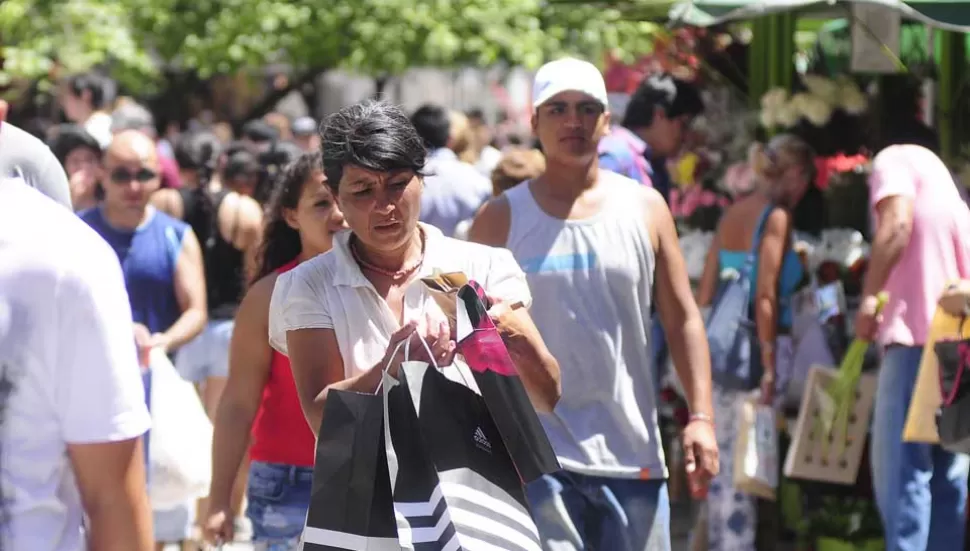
137,40
78,34
590,28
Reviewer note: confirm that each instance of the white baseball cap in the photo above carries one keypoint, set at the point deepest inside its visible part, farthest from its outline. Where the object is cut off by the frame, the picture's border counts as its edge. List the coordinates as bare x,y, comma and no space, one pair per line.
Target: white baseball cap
568,75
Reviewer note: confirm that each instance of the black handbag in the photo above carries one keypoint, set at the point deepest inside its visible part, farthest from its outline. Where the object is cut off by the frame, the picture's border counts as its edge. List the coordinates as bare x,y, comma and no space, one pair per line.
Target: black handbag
953,419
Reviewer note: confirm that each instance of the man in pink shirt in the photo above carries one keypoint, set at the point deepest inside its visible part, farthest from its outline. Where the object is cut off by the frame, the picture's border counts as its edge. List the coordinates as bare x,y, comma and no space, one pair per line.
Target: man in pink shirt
921,243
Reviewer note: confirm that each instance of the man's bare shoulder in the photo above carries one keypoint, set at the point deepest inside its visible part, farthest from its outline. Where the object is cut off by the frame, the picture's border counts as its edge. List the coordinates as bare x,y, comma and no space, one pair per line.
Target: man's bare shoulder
491,225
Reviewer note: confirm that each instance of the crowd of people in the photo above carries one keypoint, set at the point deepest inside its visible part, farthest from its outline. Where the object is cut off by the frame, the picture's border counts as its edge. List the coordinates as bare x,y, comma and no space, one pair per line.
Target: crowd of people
276,266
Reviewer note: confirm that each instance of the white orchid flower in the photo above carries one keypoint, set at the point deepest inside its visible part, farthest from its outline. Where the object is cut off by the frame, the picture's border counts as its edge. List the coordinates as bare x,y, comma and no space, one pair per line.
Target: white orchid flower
813,108
774,98
852,100
768,118
821,87
789,114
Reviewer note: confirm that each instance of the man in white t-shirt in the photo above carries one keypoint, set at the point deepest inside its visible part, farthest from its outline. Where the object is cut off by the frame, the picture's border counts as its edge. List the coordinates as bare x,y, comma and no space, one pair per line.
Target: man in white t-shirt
72,403
24,156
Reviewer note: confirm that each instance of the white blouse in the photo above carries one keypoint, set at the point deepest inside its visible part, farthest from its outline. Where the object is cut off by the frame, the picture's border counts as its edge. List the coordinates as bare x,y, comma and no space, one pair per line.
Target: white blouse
330,292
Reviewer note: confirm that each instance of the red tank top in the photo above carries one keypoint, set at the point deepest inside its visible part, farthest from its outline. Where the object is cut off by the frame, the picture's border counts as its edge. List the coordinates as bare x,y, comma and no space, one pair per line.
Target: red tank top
280,431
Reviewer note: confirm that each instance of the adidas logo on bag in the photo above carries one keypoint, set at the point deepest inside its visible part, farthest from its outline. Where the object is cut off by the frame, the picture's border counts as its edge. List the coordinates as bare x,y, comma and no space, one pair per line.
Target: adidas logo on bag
482,442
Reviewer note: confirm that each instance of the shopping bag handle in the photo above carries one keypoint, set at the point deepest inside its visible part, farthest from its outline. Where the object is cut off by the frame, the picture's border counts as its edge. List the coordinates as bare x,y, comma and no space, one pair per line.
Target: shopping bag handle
427,349
406,343
380,384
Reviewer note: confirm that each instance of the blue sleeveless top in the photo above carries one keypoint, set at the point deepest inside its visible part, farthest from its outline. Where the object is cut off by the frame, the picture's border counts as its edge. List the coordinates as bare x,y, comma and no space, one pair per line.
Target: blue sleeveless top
147,257
790,277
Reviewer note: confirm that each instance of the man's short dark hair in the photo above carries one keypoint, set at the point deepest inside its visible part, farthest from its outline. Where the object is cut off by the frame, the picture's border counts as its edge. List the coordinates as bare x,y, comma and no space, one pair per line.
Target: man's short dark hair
475,114
675,96
241,164
235,146
259,131
374,135
433,125
70,137
91,83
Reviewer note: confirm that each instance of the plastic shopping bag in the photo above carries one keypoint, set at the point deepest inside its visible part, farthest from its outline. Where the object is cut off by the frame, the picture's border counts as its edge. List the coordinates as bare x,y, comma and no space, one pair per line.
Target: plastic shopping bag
927,397
180,459
756,450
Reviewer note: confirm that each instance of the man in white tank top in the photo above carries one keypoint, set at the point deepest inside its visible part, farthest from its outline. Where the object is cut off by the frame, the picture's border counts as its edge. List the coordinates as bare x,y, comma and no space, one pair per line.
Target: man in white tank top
592,244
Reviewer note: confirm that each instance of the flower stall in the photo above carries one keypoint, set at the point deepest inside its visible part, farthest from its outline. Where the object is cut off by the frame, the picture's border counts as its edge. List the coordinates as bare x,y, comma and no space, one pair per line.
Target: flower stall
828,113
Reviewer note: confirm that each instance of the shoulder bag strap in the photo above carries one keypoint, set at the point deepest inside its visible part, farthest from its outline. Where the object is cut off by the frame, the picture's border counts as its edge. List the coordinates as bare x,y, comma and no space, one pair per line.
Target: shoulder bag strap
756,240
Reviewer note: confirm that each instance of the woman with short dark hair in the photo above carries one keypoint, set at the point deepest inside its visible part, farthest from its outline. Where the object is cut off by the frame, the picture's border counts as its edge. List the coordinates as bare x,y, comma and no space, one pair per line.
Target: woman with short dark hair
340,316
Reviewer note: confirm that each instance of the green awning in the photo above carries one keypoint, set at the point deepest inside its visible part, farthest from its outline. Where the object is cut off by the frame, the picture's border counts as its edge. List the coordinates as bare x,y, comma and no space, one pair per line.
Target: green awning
834,44
950,15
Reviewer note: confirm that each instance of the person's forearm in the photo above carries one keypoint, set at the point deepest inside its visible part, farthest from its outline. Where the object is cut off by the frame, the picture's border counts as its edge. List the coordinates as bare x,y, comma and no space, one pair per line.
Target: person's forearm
887,247
766,322
539,372
186,328
122,530
366,382
122,521
692,360
230,440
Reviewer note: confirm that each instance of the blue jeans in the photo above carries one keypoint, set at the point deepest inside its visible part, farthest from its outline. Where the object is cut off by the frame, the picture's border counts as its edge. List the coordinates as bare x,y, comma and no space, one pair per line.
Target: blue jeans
574,511
279,496
921,489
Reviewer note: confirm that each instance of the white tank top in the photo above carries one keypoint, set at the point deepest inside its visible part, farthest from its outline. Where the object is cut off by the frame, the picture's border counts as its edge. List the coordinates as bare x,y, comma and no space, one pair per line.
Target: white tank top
592,282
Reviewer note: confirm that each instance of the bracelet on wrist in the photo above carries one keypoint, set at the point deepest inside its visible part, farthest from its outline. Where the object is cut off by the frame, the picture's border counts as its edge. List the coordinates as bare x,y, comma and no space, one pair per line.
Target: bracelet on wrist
701,417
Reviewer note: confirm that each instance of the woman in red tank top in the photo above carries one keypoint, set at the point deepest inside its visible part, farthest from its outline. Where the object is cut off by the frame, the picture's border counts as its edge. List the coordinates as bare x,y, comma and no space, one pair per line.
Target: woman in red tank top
260,399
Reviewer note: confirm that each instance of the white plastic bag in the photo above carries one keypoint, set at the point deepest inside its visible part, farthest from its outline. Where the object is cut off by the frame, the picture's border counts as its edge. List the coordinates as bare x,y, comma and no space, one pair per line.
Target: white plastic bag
180,442
756,449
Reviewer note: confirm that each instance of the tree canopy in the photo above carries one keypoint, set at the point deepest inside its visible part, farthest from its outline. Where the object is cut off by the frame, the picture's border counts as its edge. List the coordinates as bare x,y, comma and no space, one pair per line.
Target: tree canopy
137,41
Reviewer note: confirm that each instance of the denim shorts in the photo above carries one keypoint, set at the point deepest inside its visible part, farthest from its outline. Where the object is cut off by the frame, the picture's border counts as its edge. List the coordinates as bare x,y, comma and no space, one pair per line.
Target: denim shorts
207,355
174,525
279,496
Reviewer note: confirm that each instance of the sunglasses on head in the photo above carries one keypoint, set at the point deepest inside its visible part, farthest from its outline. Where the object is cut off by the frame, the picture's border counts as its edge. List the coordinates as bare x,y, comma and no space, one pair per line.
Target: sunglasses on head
123,175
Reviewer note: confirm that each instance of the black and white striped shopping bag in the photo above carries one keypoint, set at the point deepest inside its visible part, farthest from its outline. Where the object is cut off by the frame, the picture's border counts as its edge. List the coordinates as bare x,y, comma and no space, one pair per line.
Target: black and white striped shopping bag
453,482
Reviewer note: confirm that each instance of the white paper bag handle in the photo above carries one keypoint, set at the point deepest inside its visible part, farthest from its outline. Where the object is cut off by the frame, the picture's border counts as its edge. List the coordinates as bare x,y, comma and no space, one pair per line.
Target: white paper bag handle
434,363
387,366
406,343
427,349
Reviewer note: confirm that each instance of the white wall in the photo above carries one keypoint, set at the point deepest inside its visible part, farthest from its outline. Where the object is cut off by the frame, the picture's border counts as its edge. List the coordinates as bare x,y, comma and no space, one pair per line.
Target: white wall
460,89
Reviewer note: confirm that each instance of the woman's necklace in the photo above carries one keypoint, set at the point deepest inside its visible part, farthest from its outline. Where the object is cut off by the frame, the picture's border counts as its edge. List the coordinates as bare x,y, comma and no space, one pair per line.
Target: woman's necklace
405,270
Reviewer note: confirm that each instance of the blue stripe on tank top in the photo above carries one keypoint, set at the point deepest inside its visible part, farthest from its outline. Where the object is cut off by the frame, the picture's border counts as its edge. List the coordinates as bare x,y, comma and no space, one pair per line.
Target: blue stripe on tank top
560,263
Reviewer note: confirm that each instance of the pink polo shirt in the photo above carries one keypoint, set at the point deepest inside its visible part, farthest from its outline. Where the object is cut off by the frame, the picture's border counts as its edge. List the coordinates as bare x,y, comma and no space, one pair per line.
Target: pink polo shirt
936,254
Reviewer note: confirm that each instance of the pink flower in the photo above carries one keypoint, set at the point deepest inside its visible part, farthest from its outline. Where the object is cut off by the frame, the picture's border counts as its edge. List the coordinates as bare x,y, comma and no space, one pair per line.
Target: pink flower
691,202
707,199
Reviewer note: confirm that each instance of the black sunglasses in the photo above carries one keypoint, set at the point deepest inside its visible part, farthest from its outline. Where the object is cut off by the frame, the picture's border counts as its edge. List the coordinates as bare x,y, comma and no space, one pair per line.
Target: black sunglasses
123,175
